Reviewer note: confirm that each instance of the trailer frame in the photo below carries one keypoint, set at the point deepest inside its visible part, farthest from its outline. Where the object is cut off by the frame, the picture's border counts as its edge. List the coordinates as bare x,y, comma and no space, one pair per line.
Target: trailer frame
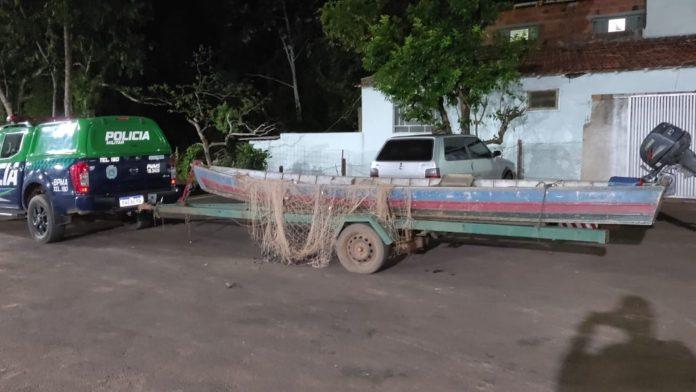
378,238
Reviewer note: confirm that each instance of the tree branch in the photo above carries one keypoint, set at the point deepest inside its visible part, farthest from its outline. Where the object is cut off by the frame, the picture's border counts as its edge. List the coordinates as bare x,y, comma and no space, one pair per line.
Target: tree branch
286,84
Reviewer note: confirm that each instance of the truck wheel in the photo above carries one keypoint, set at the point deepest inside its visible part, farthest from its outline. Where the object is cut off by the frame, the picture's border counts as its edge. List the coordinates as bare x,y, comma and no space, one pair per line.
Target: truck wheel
508,175
360,250
41,220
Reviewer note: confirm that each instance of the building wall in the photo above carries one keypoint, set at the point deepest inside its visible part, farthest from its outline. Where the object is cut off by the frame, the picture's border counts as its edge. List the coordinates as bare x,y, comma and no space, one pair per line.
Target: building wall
567,22
670,17
316,153
553,139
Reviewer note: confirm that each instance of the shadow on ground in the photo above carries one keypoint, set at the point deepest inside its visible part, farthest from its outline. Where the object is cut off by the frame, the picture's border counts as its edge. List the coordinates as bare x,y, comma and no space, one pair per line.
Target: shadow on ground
639,362
680,222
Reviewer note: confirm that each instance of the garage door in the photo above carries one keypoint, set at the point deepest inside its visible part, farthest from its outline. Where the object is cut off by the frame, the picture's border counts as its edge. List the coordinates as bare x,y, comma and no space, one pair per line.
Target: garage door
647,111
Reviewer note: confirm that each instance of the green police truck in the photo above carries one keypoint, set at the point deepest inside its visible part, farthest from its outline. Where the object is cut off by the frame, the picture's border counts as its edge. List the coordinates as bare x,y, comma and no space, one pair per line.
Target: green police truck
57,172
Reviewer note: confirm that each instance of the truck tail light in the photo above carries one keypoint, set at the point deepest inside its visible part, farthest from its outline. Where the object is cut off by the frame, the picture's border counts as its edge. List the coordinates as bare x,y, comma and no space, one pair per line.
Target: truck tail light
374,172
172,171
79,174
432,173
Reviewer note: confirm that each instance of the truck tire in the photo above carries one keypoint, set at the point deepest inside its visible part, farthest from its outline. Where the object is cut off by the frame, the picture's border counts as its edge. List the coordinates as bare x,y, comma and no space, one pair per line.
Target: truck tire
41,220
360,249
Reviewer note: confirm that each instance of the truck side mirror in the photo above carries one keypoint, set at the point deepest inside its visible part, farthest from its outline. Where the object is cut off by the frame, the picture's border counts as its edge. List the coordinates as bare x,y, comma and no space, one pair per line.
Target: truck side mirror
497,153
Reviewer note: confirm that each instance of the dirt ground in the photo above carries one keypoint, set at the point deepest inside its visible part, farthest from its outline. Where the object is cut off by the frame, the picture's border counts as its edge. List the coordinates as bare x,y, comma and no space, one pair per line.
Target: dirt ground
119,310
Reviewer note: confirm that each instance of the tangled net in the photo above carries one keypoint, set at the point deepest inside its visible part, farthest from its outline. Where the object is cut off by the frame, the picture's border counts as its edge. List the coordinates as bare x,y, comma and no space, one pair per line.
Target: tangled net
300,223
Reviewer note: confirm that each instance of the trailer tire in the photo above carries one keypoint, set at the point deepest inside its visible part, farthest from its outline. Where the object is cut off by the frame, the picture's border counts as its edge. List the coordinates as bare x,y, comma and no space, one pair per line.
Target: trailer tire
144,220
41,220
361,250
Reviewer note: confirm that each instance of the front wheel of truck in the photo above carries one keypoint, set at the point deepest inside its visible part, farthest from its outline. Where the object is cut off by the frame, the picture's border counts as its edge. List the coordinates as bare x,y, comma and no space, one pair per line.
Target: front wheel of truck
41,220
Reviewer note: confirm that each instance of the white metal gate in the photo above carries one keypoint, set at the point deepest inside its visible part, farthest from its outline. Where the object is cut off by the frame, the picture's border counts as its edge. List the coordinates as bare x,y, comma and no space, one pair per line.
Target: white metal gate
647,111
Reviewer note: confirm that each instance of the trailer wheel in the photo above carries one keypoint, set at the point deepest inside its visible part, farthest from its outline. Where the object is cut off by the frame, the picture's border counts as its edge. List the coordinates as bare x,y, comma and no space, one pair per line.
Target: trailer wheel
360,249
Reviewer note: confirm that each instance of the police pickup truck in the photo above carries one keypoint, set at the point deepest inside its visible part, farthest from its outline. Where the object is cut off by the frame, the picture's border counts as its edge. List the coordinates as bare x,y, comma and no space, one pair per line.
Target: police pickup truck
57,172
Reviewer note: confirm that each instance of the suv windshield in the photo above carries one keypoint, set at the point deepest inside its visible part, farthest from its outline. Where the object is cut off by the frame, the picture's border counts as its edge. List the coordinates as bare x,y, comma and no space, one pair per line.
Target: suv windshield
407,150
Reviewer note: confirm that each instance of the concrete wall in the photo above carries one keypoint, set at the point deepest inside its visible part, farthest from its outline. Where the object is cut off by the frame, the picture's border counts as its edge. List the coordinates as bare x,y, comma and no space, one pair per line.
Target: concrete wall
605,138
670,17
316,153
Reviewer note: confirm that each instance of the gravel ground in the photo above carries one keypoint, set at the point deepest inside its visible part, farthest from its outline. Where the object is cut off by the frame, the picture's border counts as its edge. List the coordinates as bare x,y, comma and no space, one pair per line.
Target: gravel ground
112,309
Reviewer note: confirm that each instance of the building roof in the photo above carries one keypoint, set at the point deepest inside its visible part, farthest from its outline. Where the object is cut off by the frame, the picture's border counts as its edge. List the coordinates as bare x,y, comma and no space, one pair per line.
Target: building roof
612,56
606,56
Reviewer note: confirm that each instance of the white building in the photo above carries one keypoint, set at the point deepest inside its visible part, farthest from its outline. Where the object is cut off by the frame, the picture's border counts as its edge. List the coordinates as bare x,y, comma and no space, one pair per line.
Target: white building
599,82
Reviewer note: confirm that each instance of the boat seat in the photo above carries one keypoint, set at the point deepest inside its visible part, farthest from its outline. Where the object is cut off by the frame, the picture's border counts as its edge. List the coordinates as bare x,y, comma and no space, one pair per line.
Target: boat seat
457,180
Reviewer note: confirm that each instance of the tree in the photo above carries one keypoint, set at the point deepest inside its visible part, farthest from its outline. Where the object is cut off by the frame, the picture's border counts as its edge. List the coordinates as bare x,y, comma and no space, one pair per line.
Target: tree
208,102
90,42
271,41
103,43
505,104
18,63
290,29
427,54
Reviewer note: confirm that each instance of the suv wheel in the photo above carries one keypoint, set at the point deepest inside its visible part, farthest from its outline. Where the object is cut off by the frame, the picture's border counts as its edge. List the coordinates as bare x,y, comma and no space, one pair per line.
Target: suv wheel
41,220
508,175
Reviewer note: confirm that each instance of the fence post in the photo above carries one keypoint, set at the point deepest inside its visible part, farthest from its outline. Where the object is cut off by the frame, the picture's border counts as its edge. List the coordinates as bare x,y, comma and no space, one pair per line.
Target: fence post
520,160
343,165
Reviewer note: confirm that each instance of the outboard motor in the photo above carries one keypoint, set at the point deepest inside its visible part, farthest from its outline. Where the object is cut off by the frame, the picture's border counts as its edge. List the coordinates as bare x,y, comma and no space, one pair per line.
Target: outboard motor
667,146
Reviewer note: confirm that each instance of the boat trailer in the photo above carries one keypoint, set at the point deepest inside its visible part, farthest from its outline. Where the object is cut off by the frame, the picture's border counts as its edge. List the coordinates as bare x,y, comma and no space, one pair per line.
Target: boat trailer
507,208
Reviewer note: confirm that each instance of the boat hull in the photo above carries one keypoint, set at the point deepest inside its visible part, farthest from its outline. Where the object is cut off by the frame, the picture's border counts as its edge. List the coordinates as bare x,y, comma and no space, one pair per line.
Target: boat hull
498,201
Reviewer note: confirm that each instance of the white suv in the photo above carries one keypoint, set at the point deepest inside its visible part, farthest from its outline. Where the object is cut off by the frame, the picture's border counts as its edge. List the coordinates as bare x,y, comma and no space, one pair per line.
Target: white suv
431,156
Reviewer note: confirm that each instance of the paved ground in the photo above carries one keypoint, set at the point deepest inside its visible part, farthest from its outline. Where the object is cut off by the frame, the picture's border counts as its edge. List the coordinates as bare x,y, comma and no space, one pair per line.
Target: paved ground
118,310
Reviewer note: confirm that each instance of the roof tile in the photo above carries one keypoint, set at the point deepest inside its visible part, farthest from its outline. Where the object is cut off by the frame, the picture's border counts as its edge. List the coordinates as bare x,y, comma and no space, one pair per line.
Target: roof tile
612,56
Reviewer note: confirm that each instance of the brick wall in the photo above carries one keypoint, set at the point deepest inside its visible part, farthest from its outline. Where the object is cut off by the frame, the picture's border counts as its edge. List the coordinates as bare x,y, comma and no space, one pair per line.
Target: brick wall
565,22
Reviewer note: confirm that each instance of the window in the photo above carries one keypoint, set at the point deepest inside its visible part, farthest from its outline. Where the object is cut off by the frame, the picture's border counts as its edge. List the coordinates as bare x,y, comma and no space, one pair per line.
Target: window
403,125
11,144
455,149
406,150
57,139
516,33
478,150
619,23
543,99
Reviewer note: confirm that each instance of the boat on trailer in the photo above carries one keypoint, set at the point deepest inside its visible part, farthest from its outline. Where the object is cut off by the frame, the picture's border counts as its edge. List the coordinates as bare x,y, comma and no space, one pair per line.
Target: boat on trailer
461,199
552,210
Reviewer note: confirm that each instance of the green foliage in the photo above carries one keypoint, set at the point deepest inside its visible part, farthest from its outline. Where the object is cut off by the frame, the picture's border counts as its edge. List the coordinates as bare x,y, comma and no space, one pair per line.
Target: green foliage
248,157
106,43
183,164
349,22
427,53
18,63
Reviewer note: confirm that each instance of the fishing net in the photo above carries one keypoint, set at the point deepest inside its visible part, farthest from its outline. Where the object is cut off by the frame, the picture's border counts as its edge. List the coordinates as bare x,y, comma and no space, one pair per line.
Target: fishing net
300,223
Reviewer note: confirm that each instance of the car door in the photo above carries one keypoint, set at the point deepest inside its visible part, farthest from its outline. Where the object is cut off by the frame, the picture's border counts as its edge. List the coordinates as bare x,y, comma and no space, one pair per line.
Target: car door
11,169
455,156
481,158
